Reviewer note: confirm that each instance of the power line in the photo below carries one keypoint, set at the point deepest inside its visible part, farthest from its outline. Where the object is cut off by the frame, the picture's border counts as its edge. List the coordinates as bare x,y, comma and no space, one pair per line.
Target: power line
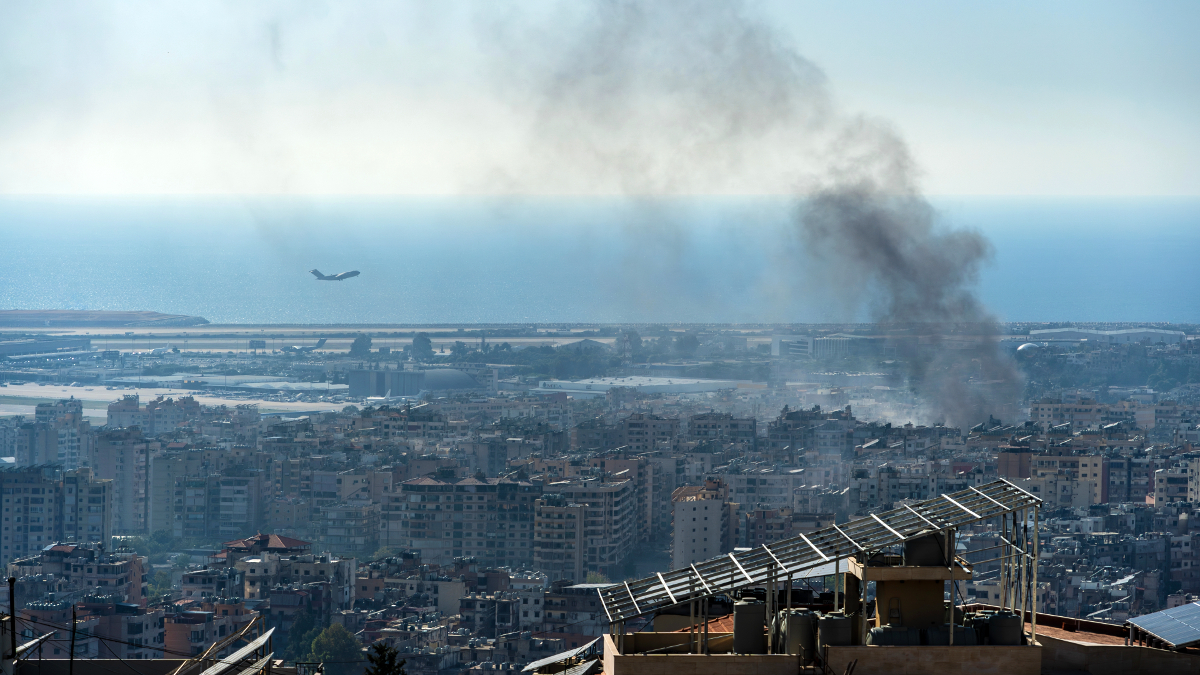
163,650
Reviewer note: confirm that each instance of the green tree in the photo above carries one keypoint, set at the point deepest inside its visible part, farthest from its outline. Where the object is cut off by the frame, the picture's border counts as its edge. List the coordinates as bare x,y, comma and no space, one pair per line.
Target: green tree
635,340
383,659
361,347
160,585
687,345
338,650
384,552
300,637
596,578
422,347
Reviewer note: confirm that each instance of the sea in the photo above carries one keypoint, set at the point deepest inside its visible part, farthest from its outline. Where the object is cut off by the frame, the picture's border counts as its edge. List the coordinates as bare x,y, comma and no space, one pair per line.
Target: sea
433,260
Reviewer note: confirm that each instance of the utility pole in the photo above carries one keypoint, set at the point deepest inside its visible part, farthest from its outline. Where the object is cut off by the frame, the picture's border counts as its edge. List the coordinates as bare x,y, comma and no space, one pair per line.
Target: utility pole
71,664
12,608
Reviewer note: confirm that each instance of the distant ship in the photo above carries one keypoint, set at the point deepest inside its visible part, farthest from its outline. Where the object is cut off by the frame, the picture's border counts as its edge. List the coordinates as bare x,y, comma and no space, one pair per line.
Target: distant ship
332,277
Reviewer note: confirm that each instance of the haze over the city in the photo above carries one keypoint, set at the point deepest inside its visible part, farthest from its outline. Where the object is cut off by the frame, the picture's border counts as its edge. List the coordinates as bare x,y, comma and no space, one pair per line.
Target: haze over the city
607,337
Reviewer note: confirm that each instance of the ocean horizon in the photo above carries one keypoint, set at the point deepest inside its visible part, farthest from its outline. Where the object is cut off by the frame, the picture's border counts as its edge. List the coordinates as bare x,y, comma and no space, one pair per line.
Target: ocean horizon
552,260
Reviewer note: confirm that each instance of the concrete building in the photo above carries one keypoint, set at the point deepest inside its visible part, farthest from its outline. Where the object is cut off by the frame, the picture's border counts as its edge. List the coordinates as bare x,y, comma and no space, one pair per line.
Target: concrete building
1171,484
808,347
194,630
559,541
124,455
641,432
705,523
349,528
366,383
40,508
156,417
59,434
490,519
762,489
219,505
610,520
125,631
723,427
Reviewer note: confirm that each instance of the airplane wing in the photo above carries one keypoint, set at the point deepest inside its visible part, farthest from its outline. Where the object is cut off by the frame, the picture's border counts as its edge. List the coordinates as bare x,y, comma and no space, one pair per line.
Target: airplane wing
347,275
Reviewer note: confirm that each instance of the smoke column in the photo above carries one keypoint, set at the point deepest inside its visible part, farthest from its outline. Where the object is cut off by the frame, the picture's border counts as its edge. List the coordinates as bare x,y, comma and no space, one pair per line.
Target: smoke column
696,97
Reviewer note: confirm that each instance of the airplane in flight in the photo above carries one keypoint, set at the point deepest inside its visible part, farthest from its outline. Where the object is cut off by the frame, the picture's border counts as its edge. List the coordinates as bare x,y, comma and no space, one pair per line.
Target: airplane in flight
332,277
294,349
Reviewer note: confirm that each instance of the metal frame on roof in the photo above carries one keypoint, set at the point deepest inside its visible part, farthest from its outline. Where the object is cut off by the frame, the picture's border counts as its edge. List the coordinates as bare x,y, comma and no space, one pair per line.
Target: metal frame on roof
783,559
561,656
1177,626
235,660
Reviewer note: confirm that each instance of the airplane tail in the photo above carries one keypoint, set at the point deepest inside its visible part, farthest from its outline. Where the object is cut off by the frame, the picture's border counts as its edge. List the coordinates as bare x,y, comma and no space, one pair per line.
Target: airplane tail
317,274
320,343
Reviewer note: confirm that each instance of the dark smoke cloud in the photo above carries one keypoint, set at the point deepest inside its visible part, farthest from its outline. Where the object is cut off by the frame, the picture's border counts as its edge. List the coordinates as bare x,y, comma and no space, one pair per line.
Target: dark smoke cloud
693,97
886,249
654,98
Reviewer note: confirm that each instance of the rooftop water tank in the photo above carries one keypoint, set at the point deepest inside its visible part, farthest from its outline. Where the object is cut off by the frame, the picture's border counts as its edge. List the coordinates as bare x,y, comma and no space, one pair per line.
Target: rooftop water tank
800,635
749,627
835,628
1005,629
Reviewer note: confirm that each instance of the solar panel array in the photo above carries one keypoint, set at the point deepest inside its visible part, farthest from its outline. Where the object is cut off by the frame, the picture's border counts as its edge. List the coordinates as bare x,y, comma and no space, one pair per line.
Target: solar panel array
1178,626
787,557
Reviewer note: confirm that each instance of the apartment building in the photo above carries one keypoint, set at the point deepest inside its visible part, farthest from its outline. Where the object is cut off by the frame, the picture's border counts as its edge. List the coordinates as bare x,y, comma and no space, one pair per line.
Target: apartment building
559,541
156,417
704,523
649,484
58,613
125,630
489,519
169,465
41,506
1083,413
194,630
350,528
219,505
574,608
796,430
84,569
762,489
1171,485
212,583
724,427
610,519
641,432
124,455
59,434
418,421
595,434
1089,472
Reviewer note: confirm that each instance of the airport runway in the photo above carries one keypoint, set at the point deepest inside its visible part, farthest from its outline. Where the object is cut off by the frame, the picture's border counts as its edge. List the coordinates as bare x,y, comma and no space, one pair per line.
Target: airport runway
20,399
237,338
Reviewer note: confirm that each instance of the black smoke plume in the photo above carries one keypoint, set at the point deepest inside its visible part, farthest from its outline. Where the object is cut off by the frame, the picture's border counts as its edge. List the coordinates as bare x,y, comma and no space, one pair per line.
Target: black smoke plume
668,97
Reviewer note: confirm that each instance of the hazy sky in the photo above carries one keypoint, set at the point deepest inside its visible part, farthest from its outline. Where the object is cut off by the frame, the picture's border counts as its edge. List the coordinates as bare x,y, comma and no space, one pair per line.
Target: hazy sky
1012,98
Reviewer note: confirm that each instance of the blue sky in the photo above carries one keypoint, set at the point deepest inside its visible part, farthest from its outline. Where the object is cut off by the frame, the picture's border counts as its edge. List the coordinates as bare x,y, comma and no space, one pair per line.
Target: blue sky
1061,98
1013,98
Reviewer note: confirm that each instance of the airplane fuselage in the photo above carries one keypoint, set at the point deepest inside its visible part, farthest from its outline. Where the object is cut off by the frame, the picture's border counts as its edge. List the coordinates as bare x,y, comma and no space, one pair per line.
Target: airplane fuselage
333,277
